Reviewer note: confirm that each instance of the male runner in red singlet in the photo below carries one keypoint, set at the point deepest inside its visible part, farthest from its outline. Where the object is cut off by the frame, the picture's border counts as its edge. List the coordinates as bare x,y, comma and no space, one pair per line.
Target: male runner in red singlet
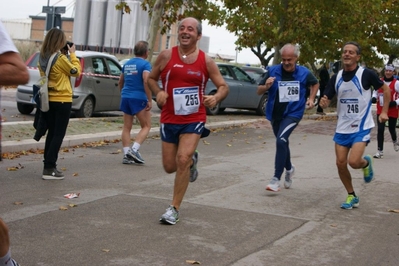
184,70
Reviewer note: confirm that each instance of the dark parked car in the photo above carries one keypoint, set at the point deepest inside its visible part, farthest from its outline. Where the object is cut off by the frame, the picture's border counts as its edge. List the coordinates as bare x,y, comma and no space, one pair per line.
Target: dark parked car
95,90
255,72
242,93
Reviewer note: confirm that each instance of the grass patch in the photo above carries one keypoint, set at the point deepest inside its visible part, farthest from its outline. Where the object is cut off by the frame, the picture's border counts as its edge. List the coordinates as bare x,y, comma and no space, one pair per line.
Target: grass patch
75,127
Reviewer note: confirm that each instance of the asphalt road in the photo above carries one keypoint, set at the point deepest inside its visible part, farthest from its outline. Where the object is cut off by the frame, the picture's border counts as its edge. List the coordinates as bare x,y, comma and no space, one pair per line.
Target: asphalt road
227,216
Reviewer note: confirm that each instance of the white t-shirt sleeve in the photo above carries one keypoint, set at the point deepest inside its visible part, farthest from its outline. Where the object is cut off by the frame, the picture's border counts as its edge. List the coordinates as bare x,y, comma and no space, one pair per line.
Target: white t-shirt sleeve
396,98
6,44
375,94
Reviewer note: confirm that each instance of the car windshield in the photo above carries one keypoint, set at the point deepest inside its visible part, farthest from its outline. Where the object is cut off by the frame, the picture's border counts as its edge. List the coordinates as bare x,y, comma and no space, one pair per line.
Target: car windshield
255,73
241,75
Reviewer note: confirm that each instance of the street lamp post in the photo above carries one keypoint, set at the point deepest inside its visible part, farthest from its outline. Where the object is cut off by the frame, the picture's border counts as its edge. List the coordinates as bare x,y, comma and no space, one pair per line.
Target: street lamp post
236,55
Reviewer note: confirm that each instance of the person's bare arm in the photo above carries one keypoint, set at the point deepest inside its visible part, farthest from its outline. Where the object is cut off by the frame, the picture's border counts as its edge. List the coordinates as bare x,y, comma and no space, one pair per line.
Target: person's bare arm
313,91
4,239
121,82
220,83
324,102
265,87
387,98
13,70
147,89
162,59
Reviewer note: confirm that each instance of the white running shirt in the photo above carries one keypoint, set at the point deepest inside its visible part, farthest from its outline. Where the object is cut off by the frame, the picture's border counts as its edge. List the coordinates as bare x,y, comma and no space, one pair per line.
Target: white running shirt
354,104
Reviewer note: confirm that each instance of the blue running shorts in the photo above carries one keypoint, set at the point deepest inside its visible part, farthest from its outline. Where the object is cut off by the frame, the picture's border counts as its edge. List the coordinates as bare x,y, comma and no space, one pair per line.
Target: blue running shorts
347,140
132,106
171,132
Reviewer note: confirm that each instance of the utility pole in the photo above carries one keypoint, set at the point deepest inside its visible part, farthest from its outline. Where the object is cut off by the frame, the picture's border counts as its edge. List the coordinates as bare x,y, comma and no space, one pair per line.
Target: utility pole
53,17
45,22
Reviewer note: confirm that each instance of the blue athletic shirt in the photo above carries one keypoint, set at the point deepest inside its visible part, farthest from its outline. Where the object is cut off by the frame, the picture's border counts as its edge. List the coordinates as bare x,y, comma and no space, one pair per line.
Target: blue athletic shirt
133,86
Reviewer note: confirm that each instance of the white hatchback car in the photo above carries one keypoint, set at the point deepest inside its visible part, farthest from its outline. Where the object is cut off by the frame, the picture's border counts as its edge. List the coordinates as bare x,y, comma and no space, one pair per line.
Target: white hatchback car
95,90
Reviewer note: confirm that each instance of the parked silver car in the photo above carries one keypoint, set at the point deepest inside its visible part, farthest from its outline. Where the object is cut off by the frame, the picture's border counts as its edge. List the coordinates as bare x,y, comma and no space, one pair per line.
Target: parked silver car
255,72
242,93
95,90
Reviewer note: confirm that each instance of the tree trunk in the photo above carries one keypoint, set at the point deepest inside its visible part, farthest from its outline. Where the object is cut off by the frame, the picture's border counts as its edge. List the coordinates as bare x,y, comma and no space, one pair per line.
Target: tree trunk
154,26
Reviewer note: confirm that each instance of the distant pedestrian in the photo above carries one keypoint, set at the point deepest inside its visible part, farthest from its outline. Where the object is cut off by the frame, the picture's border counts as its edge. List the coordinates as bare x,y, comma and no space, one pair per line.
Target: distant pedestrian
287,85
324,77
136,100
10,64
184,70
60,97
353,87
378,97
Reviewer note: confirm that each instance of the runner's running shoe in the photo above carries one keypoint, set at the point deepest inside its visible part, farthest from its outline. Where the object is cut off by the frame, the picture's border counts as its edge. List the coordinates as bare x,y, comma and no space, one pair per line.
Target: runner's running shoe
171,216
379,155
274,185
368,171
351,202
136,156
193,168
127,160
288,177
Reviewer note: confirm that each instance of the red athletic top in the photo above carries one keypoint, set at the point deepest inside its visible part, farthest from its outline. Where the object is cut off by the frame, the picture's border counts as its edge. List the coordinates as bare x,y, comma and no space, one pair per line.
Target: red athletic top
185,85
392,111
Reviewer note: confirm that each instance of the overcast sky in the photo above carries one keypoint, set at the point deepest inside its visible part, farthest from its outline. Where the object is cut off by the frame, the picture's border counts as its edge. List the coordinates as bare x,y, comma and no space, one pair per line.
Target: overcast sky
221,41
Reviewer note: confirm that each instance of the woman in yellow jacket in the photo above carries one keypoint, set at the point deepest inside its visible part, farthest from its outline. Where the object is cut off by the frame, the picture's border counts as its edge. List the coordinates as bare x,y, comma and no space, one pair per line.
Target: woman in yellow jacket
60,96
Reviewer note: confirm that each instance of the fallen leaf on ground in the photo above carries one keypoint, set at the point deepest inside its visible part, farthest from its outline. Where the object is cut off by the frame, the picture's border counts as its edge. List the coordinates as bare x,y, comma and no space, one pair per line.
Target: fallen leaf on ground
193,262
15,168
116,152
63,208
395,211
75,174
105,250
18,203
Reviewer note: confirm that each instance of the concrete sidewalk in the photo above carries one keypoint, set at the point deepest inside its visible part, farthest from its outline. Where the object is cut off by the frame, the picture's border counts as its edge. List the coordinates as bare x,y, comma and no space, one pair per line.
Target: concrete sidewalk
26,142
227,216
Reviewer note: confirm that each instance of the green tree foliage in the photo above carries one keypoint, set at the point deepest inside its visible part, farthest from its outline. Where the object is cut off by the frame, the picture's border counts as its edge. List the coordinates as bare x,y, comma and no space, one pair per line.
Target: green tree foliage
319,27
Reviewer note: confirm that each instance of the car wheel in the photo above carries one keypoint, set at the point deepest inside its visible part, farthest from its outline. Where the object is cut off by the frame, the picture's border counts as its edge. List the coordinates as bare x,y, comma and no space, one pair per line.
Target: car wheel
25,109
87,108
215,110
261,110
